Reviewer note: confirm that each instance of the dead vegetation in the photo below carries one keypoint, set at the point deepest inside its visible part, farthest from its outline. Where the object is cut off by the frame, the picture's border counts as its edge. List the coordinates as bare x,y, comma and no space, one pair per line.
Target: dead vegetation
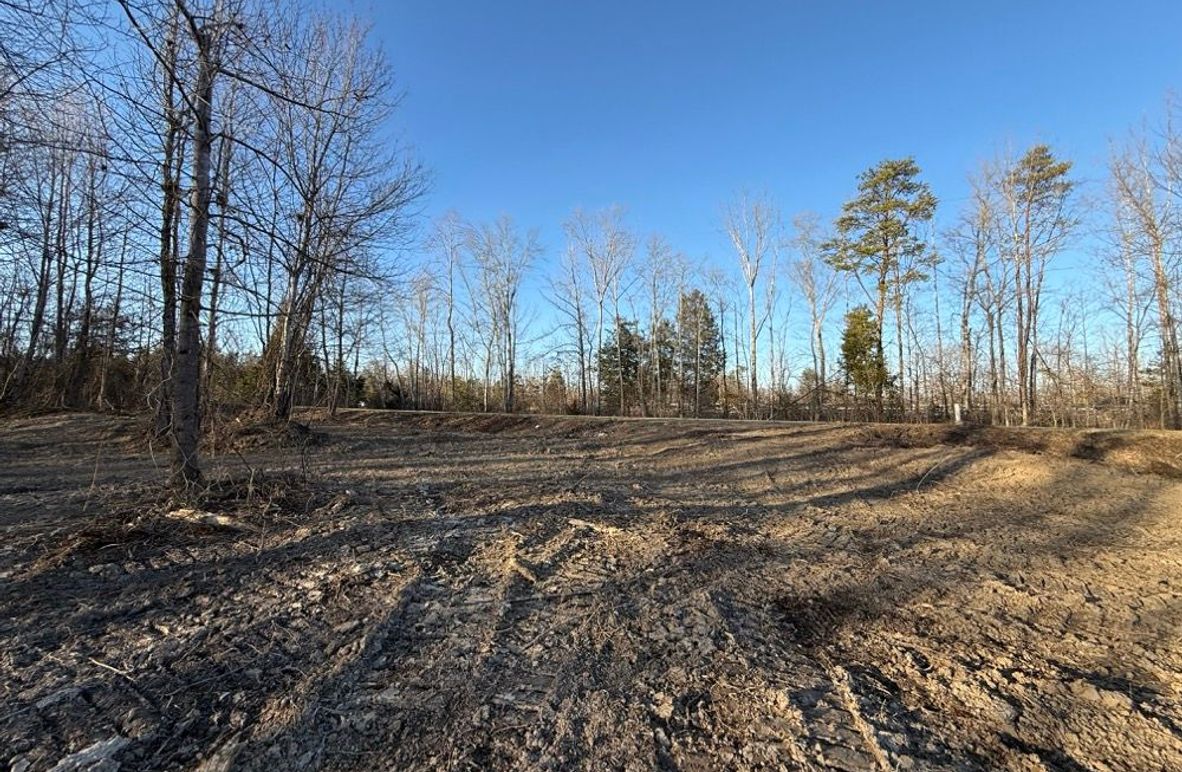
452,591
1143,451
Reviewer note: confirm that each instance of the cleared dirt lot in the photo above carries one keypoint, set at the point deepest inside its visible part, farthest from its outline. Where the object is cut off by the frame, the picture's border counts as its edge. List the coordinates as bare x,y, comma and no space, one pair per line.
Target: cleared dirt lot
491,592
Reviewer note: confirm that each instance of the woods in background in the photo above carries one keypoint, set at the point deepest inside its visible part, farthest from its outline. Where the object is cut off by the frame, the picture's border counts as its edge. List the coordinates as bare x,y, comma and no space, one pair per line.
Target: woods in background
929,317
196,194
203,203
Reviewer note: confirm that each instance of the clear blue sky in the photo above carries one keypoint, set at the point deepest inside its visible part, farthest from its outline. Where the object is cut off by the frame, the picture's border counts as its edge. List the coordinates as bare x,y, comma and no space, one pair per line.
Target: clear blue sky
534,107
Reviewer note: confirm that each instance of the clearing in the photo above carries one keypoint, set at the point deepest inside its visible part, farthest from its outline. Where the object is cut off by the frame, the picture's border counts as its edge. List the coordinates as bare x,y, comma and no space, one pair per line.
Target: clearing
473,592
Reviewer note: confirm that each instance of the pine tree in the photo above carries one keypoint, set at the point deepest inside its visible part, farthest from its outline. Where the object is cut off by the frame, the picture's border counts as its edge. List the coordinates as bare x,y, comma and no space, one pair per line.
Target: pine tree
877,241
554,392
619,366
1036,192
699,352
861,354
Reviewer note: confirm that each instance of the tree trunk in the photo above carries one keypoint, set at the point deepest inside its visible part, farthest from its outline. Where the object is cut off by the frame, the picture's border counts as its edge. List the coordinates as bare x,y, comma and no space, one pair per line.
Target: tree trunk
754,352
581,333
186,464
223,201
451,330
879,312
1171,362
598,352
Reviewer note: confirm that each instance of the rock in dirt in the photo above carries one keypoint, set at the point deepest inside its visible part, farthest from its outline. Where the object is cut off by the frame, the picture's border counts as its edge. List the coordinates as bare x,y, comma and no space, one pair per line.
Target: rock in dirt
222,759
1103,697
61,695
662,706
93,758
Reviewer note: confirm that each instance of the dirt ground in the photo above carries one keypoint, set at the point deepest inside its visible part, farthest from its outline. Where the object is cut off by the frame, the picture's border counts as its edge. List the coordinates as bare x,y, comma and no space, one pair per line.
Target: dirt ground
489,592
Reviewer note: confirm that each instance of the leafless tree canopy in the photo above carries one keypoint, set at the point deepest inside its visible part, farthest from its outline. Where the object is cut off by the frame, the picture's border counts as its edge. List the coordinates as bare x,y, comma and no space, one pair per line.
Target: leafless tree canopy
195,196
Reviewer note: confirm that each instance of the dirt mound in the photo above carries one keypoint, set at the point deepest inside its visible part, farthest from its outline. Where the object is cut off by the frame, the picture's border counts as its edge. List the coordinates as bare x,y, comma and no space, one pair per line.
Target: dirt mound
146,519
1143,451
481,423
86,433
247,433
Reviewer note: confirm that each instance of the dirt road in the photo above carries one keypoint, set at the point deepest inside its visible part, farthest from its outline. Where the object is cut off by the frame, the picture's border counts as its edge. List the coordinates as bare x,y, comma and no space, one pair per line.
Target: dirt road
471,592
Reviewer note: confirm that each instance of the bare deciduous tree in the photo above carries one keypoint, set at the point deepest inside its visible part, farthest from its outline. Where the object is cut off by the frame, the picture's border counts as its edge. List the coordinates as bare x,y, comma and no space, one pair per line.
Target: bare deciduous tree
819,283
502,257
606,247
1141,187
752,225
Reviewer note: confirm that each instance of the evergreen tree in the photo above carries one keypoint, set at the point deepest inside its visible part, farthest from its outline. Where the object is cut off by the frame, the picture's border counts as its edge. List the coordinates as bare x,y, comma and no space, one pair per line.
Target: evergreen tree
554,392
657,367
861,355
876,241
619,368
699,352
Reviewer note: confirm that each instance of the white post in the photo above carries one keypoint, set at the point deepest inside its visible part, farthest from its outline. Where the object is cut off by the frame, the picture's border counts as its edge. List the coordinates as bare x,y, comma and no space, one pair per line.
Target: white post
956,412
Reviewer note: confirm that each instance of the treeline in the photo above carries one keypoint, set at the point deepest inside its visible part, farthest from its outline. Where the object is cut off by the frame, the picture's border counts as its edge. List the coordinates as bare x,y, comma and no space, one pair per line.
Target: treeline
204,203
1036,303
197,198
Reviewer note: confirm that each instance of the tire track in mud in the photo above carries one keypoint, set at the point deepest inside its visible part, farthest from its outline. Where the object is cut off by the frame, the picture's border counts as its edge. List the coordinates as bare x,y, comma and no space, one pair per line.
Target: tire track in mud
652,597
453,660
544,656
808,715
386,686
849,718
460,651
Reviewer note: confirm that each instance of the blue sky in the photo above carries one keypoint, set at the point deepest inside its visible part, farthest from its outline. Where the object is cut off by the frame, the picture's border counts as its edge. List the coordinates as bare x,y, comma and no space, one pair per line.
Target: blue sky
532,108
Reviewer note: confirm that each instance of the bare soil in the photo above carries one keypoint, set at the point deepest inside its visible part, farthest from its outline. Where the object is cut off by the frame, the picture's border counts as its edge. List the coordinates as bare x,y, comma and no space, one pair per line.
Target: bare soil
476,592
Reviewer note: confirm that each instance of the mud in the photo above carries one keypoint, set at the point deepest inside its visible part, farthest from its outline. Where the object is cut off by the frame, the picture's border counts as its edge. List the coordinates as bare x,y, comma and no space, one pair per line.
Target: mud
469,592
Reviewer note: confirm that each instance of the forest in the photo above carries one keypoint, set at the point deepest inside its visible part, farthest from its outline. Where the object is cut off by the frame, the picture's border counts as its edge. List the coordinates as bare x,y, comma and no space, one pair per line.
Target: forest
208,207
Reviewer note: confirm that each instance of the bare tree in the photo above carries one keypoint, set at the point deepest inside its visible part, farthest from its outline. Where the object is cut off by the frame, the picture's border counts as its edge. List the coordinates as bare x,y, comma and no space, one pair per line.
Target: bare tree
1131,303
175,119
819,283
347,192
448,243
606,248
567,295
1142,185
502,257
973,242
210,40
752,224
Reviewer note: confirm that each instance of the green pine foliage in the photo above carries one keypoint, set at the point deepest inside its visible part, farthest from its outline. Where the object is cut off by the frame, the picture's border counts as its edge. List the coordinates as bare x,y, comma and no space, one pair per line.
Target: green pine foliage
699,354
878,240
861,359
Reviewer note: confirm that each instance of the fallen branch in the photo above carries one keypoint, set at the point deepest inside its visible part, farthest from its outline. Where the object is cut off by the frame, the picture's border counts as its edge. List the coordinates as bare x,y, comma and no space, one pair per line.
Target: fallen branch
933,468
210,519
524,572
599,527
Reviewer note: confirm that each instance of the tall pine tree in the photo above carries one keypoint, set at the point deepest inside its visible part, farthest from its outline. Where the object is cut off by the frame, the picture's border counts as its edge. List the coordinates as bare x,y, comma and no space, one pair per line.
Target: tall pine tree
877,241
